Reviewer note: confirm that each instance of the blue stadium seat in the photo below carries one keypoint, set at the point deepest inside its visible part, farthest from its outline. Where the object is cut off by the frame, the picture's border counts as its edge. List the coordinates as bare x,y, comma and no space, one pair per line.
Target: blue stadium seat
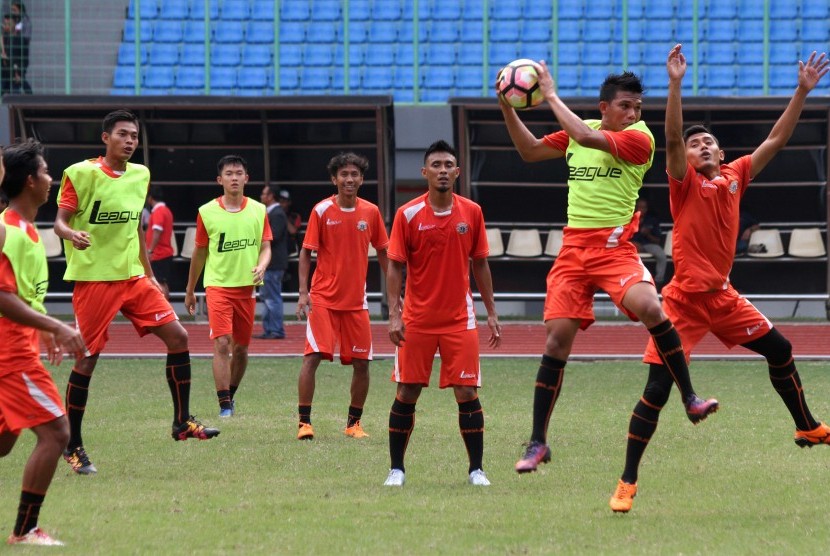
325,10
658,30
784,30
262,10
190,77
570,30
174,10
635,9
229,32
659,9
722,9
164,54
636,52
291,32
291,55
406,31
338,82
569,53
815,30
316,79
168,31
404,95
534,10
508,30
124,77
358,31
404,76
146,34
601,33
439,53
595,53
256,55
424,10
289,79
536,30
684,32
383,33
324,31
448,10
750,9
654,55
252,77
750,30
470,54
298,10
592,77
505,11
380,56
434,95
686,9
357,54
386,10
472,31
567,80
194,32
535,51
126,54
360,10
222,78
783,76
162,77
192,54
599,10
148,9
787,53
235,10
568,10
469,77
636,31
197,9
815,10
440,76
718,76
786,9
719,30
155,91
260,32
750,53
319,55
225,55
404,55
807,48
502,53
442,31
716,52
377,78
750,76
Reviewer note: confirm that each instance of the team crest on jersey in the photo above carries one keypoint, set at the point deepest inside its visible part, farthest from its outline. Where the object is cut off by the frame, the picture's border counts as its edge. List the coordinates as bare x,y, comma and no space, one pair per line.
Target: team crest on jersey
362,226
733,187
462,228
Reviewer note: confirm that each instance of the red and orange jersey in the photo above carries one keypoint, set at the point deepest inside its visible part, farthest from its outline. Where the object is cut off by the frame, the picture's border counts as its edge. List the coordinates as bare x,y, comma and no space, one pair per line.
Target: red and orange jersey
341,238
69,197
203,240
706,214
632,145
161,219
21,347
437,249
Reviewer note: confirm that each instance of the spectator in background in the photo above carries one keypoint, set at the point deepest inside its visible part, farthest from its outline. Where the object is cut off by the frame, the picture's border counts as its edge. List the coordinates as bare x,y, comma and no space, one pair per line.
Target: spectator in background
746,225
293,221
271,292
22,32
159,238
648,239
12,55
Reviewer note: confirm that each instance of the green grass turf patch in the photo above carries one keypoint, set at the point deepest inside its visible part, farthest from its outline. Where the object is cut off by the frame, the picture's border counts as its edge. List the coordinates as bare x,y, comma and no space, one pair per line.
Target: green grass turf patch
735,484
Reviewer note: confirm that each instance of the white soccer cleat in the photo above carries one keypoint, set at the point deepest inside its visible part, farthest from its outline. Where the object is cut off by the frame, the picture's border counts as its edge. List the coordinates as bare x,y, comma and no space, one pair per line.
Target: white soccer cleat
396,478
36,536
478,478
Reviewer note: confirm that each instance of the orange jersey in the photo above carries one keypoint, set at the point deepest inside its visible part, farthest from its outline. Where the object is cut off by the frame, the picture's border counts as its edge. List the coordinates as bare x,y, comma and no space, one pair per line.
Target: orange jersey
161,219
341,238
437,249
705,217
21,349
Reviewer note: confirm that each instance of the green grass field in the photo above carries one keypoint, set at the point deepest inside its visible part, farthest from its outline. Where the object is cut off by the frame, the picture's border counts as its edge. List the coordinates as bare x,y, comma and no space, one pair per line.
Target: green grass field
735,484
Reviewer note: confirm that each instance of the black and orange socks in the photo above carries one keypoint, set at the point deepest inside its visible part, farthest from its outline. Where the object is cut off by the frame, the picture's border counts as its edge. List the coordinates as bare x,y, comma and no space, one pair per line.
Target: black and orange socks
77,392
471,424
401,423
545,394
178,379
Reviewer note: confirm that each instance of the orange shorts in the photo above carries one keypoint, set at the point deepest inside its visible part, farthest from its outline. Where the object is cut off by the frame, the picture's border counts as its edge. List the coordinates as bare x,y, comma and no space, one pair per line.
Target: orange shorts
328,326
459,359
230,315
96,304
28,399
726,314
579,272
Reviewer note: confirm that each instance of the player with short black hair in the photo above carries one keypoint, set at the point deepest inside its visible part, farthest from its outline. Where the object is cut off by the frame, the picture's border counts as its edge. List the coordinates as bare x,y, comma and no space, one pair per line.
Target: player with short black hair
29,398
99,218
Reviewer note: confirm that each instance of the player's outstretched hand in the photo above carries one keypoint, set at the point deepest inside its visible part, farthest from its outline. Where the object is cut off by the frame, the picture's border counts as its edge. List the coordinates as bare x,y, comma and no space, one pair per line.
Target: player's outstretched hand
813,70
495,331
65,338
303,307
676,63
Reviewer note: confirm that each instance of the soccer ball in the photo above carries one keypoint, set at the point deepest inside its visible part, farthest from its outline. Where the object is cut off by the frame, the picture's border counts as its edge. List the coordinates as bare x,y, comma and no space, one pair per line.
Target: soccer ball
518,84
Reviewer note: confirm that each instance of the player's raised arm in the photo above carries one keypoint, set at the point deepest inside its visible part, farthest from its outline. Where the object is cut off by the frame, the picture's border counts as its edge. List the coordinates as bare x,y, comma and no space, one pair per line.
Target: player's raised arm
675,146
809,74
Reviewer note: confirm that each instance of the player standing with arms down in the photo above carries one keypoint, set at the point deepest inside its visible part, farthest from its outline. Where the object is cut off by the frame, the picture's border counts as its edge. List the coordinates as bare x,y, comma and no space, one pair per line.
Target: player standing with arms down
435,236
29,398
705,197
340,229
233,238
99,211
607,159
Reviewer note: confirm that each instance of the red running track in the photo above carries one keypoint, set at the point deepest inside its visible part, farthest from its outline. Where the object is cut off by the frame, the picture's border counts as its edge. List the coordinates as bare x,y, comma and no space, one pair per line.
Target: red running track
600,341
